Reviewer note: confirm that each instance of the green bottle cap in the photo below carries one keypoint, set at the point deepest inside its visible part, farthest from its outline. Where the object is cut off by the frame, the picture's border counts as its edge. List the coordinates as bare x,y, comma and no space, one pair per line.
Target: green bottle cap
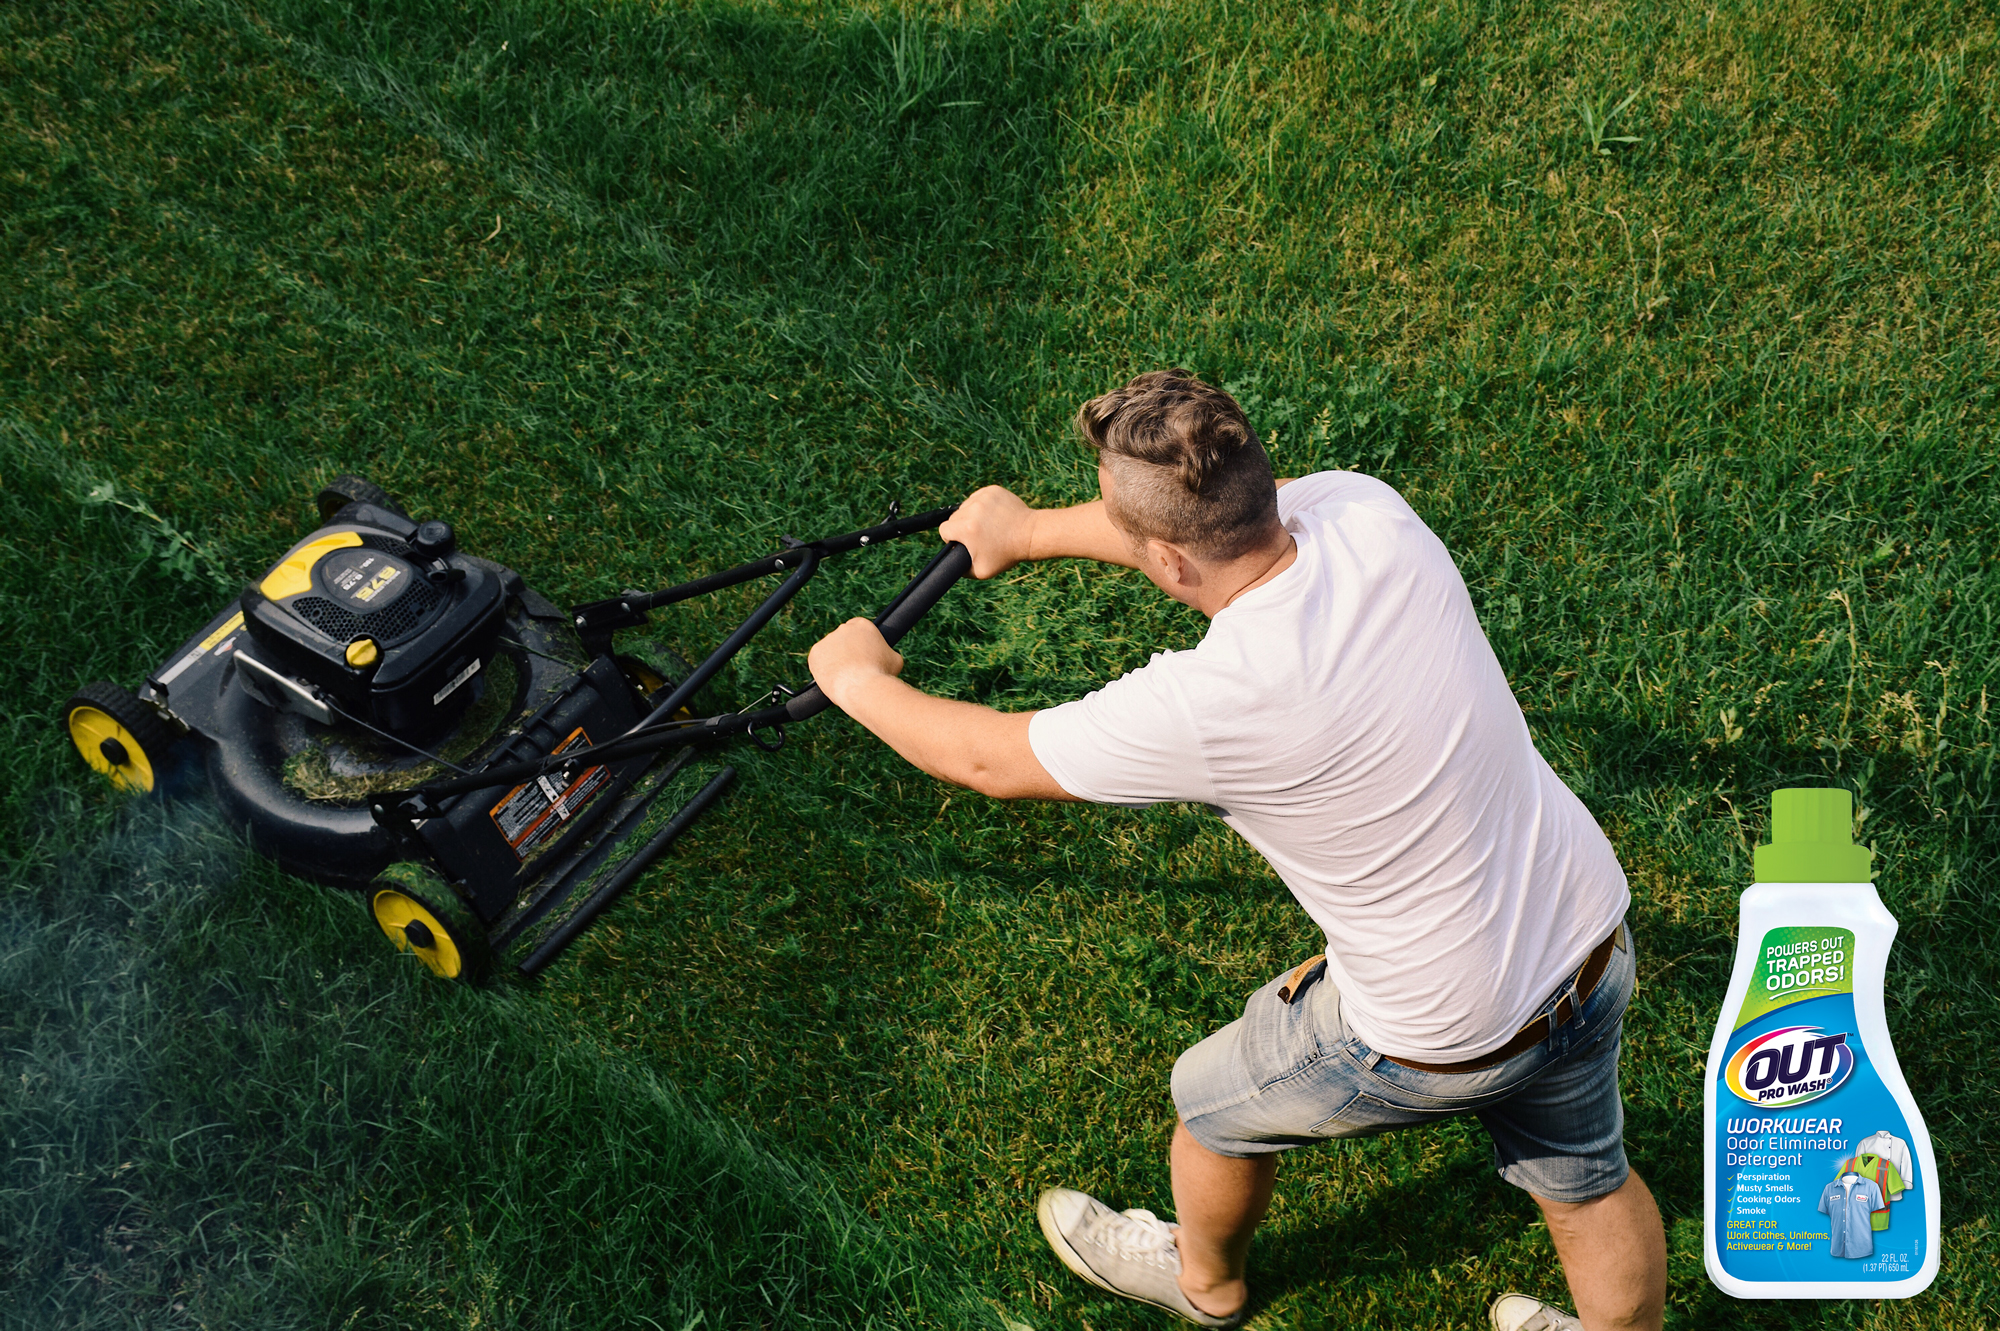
1812,840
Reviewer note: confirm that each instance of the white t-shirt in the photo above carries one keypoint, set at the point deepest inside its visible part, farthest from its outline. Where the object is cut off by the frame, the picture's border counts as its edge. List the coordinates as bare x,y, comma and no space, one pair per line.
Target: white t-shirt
1351,722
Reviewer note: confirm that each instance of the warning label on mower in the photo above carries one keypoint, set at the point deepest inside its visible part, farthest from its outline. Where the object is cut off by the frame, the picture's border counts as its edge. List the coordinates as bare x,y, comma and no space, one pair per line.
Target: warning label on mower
535,811
229,626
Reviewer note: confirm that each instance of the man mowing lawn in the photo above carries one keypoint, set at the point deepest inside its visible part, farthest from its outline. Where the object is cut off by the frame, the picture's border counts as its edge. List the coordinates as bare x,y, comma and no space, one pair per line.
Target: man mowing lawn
1348,717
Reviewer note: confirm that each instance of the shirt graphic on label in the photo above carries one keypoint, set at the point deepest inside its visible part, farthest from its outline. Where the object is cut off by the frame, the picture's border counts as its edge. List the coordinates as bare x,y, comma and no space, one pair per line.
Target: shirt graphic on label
1884,1176
1847,1203
1896,1151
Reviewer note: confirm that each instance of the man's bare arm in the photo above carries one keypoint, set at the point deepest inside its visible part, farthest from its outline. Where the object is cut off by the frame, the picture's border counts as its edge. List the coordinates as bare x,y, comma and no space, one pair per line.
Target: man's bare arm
1001,531
960,742
1083,531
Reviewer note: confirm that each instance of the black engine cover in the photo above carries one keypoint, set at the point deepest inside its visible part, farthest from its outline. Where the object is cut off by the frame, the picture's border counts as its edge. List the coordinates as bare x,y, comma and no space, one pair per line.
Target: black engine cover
384,616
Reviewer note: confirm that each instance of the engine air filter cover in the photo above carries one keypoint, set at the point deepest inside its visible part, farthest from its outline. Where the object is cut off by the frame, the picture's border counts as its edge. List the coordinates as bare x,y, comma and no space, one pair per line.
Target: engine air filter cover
395,634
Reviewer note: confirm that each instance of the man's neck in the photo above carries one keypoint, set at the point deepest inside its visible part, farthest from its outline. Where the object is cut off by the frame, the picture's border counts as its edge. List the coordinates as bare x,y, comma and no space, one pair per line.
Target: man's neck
1249,572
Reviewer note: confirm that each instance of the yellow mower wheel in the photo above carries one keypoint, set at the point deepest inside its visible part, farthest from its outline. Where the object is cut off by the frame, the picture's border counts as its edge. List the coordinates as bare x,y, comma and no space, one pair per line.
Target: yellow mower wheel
640,675
648,682
119,736
431,925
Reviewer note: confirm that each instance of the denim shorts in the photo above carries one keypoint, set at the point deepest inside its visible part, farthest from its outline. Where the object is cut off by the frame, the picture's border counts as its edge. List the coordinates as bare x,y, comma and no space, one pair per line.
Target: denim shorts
1288,1075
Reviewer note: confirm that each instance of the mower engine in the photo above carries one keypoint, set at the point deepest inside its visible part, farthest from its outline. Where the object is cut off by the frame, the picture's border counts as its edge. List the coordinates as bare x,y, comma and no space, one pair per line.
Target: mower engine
380,613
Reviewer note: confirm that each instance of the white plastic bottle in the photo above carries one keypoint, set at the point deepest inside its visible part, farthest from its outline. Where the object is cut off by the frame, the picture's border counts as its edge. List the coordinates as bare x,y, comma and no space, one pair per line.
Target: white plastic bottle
1806,1109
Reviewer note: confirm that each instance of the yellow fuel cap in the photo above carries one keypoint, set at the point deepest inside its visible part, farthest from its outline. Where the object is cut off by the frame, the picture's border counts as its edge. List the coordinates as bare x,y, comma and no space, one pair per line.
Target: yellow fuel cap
362,653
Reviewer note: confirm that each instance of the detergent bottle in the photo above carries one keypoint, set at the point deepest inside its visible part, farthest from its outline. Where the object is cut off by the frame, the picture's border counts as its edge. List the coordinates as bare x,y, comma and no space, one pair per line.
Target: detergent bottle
1818,1174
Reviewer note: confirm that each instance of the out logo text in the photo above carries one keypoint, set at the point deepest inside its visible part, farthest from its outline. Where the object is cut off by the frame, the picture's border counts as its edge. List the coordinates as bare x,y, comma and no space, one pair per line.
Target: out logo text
1789,1066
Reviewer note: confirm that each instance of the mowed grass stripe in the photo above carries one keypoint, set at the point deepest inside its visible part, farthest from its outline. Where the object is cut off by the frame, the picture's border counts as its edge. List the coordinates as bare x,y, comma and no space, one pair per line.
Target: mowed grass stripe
229,1107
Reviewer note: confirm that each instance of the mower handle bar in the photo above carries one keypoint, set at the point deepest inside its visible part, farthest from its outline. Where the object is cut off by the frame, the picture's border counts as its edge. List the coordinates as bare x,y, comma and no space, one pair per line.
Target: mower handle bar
628,609
915,601
910,605
828,547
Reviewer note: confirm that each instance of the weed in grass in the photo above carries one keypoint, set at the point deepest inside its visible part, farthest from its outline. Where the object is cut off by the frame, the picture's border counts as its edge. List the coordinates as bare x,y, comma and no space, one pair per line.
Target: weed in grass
1597,122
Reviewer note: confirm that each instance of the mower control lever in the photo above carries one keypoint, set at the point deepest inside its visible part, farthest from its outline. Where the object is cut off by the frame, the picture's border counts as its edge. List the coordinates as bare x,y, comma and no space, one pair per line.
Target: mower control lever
596,621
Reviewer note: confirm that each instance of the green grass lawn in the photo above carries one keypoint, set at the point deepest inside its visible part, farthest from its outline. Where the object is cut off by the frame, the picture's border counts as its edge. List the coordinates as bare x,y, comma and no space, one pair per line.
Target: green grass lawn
1702,400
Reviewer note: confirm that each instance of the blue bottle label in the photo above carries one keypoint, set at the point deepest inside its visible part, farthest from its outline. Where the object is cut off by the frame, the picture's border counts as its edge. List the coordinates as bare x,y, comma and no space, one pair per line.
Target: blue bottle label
1815,1173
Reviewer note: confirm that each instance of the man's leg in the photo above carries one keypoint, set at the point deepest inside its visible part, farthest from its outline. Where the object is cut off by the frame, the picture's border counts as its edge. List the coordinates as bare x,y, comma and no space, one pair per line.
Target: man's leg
1218,1201
1613,1250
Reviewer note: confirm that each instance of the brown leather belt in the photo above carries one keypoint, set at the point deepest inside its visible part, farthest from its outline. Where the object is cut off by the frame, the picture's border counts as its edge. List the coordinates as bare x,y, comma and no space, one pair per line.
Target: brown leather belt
1544,1026
1583,984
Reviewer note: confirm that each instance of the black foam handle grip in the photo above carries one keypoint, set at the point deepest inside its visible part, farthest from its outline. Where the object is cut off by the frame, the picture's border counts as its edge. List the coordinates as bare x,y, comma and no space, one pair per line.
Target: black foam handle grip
899,616
924,591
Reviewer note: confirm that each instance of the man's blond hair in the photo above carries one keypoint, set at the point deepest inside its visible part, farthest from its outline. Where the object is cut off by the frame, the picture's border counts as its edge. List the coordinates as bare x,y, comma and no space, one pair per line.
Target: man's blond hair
1186,466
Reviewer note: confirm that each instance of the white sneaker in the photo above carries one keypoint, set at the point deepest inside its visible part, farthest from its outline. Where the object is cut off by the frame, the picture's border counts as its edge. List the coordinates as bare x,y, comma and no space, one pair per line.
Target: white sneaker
1519,1312
1133,1253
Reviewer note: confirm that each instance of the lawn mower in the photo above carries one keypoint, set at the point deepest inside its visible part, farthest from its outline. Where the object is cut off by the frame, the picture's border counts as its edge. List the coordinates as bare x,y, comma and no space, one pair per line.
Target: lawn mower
383,711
